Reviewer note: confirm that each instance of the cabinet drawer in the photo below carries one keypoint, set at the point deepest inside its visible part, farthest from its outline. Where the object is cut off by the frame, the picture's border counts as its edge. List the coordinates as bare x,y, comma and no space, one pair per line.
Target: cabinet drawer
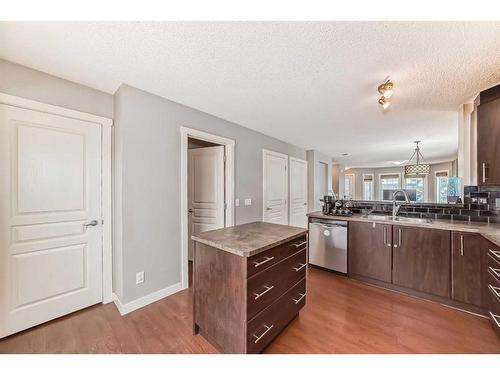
492,293
264,287
495,321
269,323
272,256
493,258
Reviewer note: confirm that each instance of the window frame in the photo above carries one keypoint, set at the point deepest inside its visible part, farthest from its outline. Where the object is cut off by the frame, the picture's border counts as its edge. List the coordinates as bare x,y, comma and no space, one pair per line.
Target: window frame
425,186
353,187
437,182
380,178
373,186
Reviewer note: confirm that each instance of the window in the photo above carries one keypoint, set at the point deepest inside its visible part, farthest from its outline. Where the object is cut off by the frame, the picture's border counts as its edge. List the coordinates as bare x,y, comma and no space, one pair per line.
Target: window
388,183
416,184
349,186
368,187
442,186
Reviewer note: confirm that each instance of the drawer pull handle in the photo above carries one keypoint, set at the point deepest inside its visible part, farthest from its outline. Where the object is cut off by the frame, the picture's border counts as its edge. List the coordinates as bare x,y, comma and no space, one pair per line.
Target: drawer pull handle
267,259
494,271
495,290
299,244
268,328
496,254
268,288
496,319
297,269
302,296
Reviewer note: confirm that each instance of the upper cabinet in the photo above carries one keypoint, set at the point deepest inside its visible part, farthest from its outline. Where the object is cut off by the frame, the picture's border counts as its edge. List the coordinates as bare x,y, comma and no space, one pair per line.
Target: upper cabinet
488,137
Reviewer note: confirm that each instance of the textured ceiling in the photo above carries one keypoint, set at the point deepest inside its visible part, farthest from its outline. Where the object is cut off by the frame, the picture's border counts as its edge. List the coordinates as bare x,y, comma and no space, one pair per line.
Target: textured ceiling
311,84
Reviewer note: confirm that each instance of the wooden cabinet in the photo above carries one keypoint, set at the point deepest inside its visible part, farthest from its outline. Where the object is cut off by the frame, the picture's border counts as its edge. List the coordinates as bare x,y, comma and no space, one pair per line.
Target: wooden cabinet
491,282
421,260
370,250
488,137
242,303
466,268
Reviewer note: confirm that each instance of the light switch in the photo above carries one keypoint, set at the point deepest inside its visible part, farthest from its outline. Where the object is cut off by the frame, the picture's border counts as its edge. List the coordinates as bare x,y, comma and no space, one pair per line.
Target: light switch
237,202
139,277
248,201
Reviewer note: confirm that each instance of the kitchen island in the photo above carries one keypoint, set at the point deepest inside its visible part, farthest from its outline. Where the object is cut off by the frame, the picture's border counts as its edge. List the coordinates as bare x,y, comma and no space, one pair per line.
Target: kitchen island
249,282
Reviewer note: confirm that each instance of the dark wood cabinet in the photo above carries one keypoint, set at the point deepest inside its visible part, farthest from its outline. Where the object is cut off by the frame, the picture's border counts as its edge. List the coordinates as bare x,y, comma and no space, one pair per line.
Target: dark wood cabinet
466,268
488,137
491,282
370,250
242,303
421,260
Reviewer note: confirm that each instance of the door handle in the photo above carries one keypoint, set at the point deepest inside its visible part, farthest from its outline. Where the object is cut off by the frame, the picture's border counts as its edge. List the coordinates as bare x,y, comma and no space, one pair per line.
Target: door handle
461,245
268,208
190,211
93,223
485,167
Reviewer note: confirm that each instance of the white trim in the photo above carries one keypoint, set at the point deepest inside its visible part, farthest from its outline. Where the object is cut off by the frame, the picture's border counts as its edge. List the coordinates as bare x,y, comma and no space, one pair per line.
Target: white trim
363,186
265,151
290,159
353,195
17,101
125,308
436,183
107,214
228,189
380,192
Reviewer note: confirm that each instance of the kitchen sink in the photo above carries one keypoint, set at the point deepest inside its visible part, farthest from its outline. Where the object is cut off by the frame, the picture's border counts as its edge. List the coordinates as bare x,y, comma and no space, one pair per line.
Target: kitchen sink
400,219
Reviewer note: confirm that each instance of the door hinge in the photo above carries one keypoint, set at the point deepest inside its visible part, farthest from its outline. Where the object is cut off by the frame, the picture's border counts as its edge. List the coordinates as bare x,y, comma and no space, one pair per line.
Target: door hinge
225,206
224,158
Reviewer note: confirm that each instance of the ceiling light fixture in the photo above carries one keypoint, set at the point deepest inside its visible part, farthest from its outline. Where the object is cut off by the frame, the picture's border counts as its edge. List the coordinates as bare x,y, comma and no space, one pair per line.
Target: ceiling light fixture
417,169
385,90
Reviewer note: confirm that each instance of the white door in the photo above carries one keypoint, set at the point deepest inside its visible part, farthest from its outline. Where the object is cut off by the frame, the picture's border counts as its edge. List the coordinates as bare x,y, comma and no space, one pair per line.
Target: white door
205,190
298,192
275,182
50,188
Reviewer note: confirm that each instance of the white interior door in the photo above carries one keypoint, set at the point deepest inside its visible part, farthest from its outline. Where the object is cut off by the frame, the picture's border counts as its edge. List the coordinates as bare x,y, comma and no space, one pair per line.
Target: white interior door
205,190
298,192
275,183
50,188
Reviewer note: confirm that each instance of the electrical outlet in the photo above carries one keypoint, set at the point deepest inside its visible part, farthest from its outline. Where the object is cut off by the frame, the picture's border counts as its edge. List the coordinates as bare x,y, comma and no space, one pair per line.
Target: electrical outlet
139,277
237,202
248,201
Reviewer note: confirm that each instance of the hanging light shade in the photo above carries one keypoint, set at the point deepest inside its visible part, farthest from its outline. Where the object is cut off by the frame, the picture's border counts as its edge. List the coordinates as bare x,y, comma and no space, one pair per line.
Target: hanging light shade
417,169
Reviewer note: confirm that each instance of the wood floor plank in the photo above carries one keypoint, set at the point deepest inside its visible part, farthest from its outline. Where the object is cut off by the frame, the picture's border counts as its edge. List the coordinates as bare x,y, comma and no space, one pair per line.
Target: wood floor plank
341,316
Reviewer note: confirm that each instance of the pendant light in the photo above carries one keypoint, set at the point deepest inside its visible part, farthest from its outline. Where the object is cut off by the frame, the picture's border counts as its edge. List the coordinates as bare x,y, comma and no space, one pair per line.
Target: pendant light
417,169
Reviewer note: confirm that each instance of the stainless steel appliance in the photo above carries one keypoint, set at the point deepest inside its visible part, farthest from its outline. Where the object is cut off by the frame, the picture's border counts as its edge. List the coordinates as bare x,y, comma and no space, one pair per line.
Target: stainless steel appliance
328,244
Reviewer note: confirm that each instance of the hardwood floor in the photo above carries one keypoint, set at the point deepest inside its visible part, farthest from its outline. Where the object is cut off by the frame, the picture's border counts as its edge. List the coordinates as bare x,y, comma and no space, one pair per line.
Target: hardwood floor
341,316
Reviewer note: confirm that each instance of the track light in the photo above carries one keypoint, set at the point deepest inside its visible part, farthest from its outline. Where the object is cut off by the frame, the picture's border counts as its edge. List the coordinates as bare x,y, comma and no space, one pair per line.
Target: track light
384,102
385,90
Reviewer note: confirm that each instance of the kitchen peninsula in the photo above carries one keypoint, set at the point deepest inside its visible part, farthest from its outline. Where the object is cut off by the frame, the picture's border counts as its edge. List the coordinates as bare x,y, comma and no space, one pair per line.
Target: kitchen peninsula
249,283
453,262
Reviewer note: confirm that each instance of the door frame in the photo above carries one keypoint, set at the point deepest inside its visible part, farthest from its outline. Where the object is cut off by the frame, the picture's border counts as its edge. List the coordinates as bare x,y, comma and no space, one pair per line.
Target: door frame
228,188
287,199
290,159
106,181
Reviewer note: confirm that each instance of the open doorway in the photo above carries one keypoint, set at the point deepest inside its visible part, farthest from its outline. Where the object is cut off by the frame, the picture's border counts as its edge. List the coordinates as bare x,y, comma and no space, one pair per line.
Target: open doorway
207,189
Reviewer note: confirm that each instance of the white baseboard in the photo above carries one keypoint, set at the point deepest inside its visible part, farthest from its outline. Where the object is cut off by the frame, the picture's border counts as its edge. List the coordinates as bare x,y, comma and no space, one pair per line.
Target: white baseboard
125,308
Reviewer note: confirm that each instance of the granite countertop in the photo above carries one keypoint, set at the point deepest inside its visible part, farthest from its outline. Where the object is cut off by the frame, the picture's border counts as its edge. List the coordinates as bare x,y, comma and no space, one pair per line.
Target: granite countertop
249,239
489,231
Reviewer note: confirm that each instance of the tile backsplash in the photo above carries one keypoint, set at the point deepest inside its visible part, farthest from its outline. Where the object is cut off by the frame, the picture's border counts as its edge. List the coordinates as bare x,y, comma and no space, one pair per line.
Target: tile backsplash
481,204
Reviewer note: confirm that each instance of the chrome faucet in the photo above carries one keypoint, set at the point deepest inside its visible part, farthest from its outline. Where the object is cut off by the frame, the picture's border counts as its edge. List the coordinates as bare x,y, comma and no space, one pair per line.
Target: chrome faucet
396,208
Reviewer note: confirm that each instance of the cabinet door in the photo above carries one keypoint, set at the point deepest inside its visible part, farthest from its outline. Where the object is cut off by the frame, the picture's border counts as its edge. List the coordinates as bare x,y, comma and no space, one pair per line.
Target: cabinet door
422,260
370,250
488,144
466,268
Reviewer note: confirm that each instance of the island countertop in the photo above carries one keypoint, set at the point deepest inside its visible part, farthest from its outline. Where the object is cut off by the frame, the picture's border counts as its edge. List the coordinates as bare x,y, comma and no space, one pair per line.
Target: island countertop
249,239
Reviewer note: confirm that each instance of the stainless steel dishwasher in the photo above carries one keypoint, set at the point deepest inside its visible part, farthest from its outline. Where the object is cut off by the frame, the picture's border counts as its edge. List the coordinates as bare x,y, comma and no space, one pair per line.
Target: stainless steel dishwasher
328,244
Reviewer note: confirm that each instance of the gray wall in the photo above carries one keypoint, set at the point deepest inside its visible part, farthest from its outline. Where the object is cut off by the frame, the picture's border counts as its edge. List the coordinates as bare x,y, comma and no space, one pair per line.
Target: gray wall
31,84
148,137
358,183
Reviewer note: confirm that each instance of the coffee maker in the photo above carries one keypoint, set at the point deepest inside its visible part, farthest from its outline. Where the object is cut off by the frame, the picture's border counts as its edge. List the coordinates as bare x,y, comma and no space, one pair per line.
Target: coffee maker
328,204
